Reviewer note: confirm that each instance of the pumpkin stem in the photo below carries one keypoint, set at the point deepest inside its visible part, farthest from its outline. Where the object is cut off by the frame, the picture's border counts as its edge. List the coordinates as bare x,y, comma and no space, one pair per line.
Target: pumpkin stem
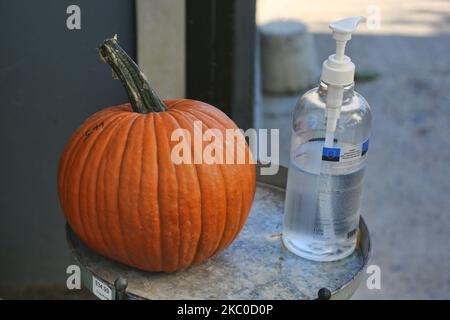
142,97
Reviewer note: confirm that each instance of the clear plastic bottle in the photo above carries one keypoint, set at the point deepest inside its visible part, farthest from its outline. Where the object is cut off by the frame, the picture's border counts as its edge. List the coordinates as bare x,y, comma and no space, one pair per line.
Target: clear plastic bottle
323,195
330,139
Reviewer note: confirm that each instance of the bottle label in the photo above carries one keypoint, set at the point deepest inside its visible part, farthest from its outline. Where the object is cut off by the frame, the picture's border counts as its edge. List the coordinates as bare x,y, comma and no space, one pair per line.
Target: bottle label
345,153
101,289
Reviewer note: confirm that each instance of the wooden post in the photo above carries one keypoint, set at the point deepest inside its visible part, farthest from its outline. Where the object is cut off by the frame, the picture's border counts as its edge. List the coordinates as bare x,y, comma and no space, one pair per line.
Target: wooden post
220,48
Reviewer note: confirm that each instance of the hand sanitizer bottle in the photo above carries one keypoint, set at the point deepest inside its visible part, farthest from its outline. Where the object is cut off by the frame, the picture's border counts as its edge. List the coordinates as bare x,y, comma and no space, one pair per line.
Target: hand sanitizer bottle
330,139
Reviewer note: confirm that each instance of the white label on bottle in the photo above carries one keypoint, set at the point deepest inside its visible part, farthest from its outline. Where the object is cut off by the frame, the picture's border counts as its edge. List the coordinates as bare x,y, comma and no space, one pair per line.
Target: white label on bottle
349,153
345,153
101,290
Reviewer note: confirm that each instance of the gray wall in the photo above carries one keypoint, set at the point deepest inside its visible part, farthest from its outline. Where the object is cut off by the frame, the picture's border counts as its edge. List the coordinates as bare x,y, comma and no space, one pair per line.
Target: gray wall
51,79
162,57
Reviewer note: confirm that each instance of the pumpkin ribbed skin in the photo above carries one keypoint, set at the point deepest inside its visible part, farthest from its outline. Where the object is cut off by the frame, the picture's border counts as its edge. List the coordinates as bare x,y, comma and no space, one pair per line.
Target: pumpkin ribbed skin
125,198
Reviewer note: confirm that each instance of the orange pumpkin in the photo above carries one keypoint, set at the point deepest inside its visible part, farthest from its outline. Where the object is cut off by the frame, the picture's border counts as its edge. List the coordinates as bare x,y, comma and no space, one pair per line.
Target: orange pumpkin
125,198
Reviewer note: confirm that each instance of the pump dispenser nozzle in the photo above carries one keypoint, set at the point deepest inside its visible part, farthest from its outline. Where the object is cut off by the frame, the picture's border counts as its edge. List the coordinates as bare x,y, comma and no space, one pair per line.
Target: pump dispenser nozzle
342,32
338,71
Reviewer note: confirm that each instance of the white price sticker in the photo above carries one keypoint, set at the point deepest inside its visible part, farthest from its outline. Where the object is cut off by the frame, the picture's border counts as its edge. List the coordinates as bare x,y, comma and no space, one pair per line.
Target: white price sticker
101,290
350,153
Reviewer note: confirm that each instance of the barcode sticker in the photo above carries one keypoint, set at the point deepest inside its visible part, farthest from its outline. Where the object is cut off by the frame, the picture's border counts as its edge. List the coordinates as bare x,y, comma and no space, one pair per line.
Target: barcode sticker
101,290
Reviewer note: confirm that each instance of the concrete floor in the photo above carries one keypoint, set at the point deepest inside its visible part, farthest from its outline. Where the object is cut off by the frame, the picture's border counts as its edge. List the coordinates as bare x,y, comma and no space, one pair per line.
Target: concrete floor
405,201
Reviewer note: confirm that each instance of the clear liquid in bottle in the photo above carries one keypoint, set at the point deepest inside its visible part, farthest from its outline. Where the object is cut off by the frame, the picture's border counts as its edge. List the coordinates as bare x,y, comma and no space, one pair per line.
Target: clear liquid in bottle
321,208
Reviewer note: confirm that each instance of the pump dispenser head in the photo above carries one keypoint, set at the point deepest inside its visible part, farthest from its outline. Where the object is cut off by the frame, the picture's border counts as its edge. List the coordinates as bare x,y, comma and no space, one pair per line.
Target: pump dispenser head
338,69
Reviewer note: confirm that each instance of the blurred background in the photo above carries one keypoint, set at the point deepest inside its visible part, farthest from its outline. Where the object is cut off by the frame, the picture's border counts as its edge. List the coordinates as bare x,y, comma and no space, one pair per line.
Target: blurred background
403,68
223,52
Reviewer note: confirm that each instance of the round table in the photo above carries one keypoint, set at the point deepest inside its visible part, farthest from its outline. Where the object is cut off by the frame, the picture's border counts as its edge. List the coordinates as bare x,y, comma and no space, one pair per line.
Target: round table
255,266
